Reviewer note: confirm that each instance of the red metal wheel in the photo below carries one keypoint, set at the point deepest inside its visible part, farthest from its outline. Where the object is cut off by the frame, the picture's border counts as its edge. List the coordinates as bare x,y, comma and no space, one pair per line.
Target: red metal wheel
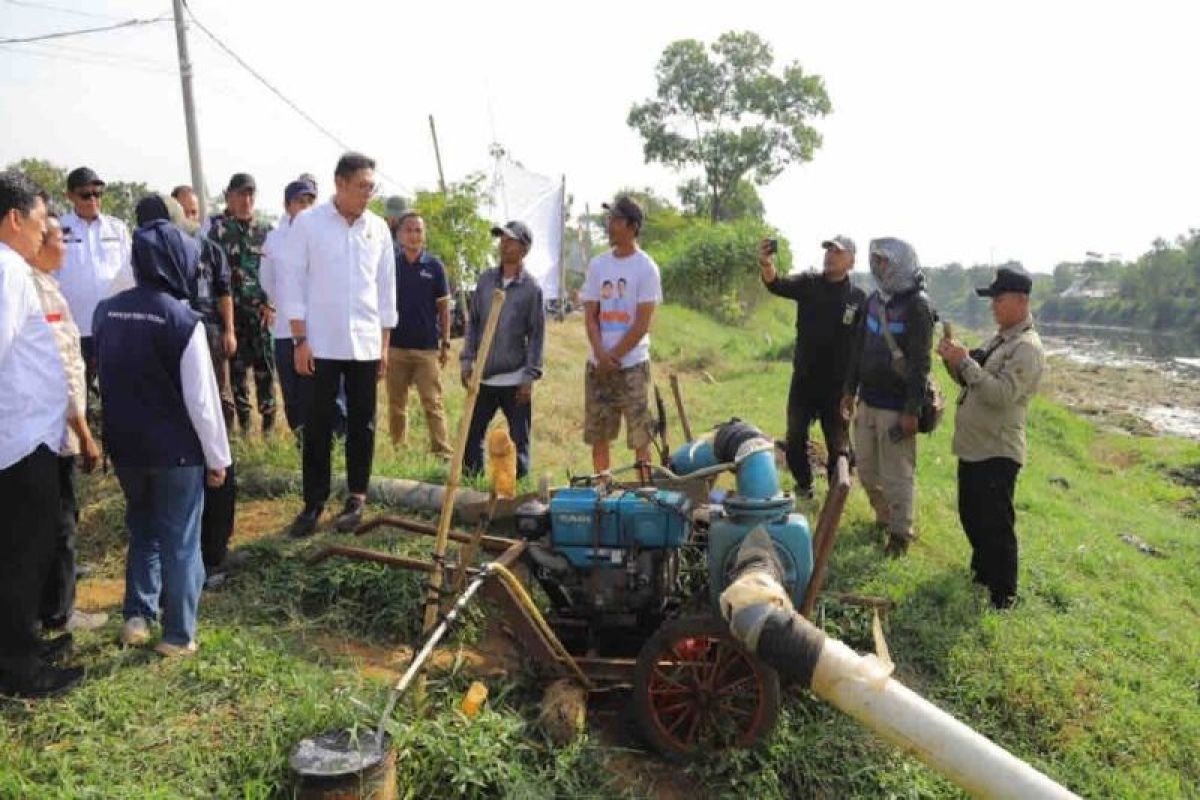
697,690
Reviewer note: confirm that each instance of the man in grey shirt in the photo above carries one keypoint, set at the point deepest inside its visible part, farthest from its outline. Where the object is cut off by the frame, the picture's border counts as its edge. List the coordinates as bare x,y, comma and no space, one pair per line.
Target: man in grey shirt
515,360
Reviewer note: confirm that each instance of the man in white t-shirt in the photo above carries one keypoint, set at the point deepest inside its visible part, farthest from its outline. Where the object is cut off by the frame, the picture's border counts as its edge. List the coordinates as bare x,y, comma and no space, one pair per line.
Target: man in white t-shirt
619,296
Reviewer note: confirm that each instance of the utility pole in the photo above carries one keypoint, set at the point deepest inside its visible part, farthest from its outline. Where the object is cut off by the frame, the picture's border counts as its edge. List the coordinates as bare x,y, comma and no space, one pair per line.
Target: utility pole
437,154
189,108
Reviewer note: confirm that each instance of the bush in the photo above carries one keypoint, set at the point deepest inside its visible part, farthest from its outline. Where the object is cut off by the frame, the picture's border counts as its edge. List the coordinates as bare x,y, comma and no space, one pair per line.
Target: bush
714,268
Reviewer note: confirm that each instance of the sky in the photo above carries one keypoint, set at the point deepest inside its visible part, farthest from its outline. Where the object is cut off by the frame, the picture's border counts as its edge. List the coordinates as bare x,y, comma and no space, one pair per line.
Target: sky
978,131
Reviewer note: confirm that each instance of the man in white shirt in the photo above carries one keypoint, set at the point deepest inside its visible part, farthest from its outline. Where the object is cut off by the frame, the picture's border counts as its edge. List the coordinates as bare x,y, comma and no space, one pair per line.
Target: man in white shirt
339,296
33,418
619,295
298,196
97,249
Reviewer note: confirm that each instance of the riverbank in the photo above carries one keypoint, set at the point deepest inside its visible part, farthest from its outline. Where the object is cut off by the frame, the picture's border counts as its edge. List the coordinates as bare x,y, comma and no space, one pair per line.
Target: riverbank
1127,391
1092,677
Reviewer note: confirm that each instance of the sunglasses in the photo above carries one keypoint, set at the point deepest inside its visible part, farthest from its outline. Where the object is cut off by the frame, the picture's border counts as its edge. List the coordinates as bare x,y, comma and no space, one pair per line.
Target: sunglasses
94,194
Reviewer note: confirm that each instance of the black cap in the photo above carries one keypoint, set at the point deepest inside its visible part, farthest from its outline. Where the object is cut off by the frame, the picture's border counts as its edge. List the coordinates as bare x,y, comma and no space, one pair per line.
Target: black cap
626,209
515,230
1008,280
240,182
82,176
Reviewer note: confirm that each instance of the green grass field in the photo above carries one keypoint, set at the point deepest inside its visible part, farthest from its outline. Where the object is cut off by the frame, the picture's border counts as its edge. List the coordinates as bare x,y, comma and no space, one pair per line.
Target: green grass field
1094,677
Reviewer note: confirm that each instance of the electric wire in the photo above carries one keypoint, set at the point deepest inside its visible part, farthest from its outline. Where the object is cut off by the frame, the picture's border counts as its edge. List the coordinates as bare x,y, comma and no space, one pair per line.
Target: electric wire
59,9
129,23
271,88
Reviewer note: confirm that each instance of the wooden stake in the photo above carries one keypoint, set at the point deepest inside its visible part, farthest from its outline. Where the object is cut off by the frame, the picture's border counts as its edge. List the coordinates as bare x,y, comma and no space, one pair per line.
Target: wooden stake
683,417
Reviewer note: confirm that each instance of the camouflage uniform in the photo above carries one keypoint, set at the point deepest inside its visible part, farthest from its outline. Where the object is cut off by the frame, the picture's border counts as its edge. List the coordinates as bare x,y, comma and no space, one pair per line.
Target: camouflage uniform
242,243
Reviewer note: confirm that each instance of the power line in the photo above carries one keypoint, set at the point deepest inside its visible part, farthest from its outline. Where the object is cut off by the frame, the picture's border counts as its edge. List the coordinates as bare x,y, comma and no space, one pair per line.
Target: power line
241,62
129,23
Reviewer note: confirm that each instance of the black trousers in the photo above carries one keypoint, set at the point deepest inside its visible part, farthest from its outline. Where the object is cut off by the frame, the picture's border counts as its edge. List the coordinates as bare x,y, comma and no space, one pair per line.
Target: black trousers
520,423
29,518
360,380
985,507
216,522
58,595
805,404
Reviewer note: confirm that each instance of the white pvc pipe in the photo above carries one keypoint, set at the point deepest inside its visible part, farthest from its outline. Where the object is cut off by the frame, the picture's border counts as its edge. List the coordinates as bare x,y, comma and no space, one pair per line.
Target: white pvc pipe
860,686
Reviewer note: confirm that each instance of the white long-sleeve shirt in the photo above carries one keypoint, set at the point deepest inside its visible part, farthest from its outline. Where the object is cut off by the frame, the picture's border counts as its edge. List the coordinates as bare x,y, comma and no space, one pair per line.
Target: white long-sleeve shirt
203,401
96,252
340,279
270,274
33,381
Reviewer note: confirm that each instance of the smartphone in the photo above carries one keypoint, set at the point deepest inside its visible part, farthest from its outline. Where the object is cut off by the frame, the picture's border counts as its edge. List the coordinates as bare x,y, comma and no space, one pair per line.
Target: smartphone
772,246
947,331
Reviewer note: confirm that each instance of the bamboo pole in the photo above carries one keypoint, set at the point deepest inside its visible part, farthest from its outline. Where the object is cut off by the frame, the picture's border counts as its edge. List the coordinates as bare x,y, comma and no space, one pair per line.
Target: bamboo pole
432,600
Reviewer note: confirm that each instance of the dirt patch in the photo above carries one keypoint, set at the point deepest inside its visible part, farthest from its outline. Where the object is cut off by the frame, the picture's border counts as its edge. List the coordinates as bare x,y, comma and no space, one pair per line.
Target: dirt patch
259,518
383,663
609,724
97,594
1115,458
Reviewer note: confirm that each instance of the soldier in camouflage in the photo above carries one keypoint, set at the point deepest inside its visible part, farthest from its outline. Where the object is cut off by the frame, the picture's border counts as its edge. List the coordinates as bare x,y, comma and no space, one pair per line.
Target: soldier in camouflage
241,238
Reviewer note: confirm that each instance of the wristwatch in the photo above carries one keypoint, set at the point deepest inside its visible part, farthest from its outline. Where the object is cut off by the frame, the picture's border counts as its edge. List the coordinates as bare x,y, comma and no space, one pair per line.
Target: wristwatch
298,340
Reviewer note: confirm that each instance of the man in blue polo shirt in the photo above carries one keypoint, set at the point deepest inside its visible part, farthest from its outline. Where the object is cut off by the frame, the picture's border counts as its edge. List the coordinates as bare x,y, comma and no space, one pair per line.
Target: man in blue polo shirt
420,342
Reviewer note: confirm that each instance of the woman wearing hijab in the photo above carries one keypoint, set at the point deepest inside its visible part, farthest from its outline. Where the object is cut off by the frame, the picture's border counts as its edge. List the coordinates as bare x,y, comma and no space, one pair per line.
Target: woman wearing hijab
163,430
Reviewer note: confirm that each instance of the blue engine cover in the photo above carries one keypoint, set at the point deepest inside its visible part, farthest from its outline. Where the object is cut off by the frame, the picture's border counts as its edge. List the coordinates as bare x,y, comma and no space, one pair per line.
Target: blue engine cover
594,530
793,543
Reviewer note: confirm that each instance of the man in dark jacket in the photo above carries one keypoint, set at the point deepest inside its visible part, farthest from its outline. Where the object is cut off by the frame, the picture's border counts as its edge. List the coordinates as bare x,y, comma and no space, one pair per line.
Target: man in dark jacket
828,306
888,374
164,430
515,360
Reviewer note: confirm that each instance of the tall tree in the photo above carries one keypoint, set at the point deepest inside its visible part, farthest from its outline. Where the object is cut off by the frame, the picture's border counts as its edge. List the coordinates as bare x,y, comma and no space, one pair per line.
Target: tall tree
729,113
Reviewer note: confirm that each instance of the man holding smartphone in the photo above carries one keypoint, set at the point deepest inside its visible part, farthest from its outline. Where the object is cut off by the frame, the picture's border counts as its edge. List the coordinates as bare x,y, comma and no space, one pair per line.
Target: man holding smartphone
828,306
997,383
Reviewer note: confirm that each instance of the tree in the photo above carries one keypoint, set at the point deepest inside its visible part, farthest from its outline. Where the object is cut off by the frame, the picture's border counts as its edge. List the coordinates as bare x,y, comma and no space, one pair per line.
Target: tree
729,114
743,202
454,231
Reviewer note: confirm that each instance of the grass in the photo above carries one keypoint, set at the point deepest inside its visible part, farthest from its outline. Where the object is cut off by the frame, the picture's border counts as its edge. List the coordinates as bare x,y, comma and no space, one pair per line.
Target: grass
1093,678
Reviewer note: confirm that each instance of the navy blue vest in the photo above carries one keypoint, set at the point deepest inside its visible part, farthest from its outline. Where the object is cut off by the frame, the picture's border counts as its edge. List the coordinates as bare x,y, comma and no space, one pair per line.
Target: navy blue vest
882,387
140,336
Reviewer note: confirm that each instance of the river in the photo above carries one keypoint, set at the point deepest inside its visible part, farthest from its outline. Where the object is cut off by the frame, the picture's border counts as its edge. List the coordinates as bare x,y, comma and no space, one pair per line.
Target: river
1161,372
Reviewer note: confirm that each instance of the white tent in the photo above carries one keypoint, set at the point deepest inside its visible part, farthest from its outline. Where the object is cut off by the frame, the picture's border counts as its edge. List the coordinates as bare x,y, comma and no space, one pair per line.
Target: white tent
538,201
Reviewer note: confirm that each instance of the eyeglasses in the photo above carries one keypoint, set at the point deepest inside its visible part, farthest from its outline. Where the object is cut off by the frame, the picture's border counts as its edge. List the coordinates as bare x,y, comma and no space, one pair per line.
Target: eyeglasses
94,194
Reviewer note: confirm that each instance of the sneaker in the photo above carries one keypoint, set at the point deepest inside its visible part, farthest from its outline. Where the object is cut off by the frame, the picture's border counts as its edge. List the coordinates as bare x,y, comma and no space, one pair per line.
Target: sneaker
47,681
168,650
215,580
135,632
83,621
305,523
351,516
54,650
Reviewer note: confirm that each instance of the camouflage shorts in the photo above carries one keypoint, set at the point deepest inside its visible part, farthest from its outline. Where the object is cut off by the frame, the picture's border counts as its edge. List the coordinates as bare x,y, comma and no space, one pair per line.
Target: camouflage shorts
607,398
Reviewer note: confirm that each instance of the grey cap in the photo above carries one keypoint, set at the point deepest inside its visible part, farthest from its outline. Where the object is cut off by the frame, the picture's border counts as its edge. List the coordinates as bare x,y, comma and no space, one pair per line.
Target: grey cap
395,206
840,242
515,230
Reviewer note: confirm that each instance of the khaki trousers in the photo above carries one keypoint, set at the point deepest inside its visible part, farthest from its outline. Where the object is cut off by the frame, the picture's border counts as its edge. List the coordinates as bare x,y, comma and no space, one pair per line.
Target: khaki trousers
886,469
416,367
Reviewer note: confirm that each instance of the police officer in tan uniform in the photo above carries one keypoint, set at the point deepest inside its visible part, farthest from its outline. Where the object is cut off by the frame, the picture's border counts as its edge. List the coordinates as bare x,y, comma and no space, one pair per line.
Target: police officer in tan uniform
997,383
